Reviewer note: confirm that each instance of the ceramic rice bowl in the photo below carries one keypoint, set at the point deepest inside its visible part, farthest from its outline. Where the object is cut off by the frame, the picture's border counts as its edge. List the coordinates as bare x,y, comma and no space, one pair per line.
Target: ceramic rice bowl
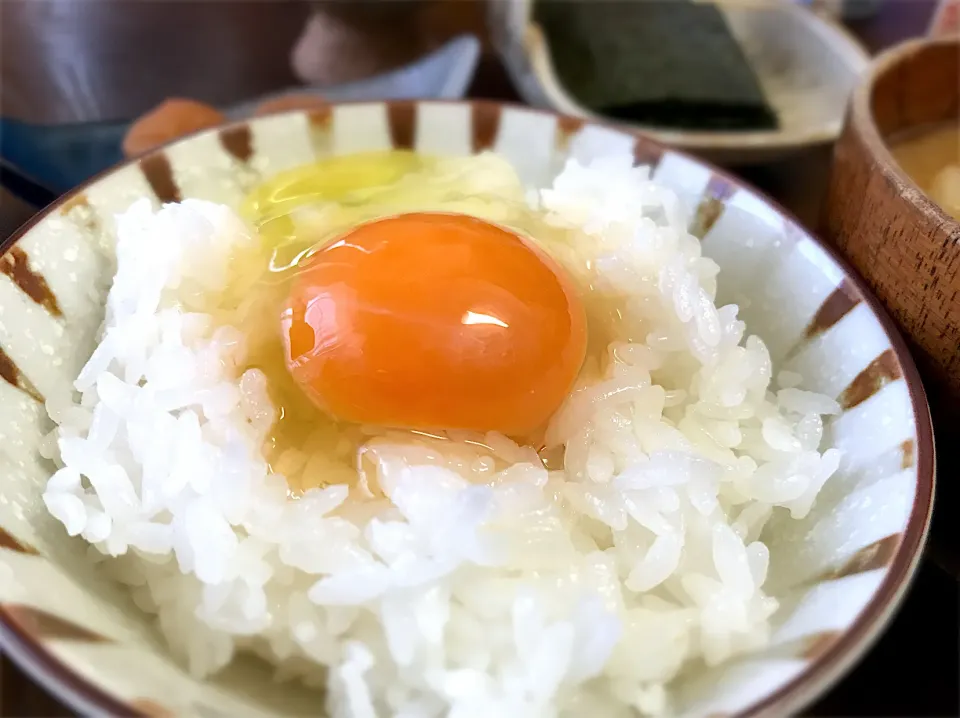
839,574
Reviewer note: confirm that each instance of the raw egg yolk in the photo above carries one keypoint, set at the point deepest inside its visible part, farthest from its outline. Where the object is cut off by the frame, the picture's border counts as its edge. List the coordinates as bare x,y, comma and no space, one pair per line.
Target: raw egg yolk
434,321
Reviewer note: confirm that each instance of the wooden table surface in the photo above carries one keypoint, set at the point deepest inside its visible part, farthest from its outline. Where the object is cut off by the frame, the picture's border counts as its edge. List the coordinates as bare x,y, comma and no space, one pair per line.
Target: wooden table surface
112,59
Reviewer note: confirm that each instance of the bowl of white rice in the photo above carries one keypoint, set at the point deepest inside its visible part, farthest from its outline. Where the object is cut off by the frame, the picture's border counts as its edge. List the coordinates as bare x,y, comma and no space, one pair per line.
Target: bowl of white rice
719,519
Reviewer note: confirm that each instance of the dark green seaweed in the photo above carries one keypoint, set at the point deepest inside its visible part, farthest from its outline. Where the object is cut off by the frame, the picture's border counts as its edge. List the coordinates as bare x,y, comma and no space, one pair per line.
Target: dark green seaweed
672,64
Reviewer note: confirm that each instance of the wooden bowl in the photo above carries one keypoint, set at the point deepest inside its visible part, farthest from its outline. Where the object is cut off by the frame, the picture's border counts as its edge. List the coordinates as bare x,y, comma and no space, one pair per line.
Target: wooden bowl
904,245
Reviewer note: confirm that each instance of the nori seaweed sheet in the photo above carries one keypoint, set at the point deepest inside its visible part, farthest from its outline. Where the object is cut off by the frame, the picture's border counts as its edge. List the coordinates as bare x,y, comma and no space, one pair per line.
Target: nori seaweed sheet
665,63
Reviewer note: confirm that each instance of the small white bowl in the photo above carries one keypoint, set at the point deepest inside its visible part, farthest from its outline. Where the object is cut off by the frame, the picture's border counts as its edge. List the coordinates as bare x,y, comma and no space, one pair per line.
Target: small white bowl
839,573
806,65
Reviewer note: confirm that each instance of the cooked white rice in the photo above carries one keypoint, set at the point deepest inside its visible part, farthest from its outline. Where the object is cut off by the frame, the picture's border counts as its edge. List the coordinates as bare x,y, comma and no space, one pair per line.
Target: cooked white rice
482,584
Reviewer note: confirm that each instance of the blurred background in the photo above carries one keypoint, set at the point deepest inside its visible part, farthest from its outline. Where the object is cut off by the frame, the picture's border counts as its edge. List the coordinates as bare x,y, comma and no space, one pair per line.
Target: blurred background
65,61
70,60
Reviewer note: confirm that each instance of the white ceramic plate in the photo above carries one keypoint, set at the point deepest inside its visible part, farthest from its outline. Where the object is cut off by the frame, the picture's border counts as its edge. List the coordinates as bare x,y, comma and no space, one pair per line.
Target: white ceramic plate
806,65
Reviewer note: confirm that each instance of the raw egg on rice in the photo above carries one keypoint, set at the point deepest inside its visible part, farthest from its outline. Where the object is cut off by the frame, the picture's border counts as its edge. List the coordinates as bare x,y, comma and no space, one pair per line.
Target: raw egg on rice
434,321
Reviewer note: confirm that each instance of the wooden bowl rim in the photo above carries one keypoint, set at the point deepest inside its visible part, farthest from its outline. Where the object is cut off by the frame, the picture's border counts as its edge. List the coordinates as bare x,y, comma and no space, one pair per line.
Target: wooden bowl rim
864,123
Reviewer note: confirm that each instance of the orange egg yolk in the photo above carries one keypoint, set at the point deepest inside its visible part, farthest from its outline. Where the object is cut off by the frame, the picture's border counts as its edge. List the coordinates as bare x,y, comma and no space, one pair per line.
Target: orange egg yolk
434,321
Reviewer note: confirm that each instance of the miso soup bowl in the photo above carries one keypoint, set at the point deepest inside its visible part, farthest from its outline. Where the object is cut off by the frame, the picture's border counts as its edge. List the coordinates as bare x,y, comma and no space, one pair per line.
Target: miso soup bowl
839,574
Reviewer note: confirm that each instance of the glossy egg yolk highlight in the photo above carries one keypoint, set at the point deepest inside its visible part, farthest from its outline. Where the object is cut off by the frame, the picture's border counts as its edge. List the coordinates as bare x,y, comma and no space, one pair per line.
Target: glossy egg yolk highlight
434,321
